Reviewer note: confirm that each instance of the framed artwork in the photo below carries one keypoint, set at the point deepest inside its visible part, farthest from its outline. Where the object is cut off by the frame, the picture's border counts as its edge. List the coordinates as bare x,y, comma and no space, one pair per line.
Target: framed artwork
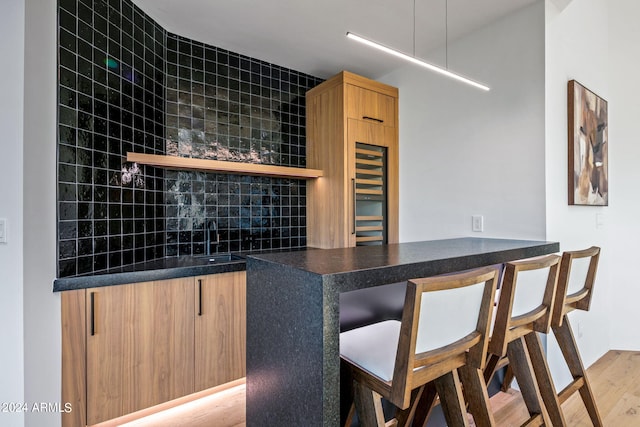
588,147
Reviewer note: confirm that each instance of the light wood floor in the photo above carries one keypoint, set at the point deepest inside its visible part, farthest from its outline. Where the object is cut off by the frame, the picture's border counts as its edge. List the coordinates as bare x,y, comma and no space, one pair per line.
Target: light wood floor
615,380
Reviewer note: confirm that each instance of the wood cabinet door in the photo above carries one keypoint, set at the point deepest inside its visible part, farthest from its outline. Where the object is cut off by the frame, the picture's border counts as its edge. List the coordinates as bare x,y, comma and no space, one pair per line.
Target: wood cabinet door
140,341
370,105
220,346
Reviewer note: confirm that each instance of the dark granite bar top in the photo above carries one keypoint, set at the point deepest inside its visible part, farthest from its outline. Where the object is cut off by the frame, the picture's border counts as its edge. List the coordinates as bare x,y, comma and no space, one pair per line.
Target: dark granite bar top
392,263
160,269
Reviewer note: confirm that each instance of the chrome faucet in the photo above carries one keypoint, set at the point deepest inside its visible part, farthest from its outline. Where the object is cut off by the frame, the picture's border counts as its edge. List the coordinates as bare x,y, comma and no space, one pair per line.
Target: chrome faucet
211,228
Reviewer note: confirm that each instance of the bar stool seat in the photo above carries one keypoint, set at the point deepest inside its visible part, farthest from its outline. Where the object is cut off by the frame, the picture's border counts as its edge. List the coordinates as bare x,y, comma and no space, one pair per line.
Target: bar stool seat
441,341
362,345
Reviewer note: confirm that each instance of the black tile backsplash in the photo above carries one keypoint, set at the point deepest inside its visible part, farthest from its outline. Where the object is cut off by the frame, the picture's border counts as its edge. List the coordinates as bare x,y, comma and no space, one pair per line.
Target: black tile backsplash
126,84
110,101
225,106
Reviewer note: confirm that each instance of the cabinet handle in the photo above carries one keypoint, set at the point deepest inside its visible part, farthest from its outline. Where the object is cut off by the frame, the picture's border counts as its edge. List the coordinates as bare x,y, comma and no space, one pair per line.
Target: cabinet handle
92,320
353,185
372,118
199,297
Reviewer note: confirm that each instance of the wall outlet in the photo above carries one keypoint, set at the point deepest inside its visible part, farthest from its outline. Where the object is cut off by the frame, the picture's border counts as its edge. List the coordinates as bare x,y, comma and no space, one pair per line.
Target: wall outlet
3,230
477,223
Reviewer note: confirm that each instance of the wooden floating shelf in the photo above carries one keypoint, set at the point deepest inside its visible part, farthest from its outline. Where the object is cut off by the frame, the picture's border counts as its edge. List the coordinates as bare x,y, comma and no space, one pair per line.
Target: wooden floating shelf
174,162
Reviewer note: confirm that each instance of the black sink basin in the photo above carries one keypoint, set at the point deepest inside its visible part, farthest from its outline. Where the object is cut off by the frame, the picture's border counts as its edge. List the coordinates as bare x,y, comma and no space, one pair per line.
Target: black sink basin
217,258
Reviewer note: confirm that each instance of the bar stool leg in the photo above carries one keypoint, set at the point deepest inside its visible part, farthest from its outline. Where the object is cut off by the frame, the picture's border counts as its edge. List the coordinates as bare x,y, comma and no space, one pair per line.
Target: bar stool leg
508,379
476,394
405,417
453,406
569,348
523,371
490,368
424,405
545,382
369,406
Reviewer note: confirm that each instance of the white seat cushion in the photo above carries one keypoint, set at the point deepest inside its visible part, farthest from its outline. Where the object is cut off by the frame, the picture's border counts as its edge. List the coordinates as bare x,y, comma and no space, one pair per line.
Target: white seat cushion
372,347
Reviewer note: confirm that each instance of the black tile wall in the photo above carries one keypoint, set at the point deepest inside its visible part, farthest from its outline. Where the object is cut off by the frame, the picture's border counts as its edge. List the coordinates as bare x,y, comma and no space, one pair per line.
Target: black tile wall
125,84
225,106
110,101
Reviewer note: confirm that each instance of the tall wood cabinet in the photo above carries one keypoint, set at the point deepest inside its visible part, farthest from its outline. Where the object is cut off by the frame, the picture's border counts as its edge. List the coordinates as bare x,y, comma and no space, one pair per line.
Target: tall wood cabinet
132,346
352,135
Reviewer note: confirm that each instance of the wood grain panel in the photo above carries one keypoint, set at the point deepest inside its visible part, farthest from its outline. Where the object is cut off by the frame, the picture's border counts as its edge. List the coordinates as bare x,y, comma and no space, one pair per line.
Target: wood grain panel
393,184
141,350
74,387
328,198
370,105
174,162
220,329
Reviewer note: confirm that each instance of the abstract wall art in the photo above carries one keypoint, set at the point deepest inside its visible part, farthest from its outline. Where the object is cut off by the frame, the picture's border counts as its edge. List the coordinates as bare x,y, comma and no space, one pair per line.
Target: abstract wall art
588,147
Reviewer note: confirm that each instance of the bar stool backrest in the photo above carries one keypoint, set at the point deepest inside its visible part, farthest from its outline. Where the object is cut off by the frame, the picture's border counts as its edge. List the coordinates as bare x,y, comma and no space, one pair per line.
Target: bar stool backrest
445,325
529,293
448,313
526,300
575,282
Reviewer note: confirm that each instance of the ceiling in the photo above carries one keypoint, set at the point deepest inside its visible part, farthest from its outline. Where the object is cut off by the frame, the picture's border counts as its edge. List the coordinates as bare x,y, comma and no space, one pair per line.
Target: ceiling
309,36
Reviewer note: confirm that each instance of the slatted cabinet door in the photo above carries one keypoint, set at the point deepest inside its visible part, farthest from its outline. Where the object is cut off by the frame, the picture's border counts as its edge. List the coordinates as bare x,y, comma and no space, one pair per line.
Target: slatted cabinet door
220,346
373,168
140,341
342,111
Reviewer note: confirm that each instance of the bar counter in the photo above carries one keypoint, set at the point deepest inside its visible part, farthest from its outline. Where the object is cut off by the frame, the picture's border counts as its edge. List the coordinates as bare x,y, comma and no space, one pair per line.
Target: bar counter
293,315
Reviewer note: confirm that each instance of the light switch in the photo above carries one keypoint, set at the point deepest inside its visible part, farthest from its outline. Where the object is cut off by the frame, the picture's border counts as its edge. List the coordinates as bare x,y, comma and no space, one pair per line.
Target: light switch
477,223
3,230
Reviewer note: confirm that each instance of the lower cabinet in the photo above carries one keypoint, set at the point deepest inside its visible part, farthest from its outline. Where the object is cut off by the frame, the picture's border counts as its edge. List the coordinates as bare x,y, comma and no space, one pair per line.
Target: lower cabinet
220,329
139,346
148,343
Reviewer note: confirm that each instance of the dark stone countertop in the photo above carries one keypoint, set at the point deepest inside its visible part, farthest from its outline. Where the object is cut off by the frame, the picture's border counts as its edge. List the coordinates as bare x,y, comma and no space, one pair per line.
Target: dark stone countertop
160,269
397,262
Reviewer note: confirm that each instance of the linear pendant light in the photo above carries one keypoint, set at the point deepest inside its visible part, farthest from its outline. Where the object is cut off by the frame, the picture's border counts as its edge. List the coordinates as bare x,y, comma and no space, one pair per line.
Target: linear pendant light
417,61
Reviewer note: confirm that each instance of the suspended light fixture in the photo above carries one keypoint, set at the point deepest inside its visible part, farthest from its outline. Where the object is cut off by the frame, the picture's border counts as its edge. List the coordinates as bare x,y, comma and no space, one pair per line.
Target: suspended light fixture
418,61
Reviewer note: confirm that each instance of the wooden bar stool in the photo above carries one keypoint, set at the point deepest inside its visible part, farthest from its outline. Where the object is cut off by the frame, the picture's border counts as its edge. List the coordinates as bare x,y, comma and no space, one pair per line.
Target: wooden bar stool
443,334
525,308
575,289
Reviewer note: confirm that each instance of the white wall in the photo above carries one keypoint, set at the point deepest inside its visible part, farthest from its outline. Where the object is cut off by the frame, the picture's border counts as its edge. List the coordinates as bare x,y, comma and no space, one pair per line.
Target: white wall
464,151
42,349
504,154
624,227
11,183
29,311
577,48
